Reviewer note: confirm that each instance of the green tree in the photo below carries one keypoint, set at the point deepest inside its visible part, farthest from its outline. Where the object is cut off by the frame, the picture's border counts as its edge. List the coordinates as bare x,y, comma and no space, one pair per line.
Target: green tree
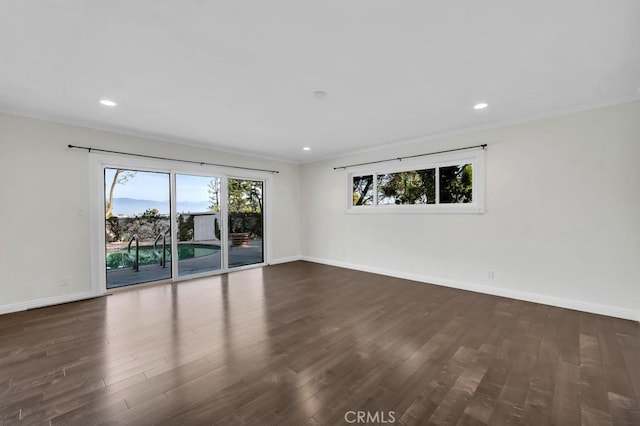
151,214
245,196
119,178
185,228
214,194
412,187
456,184
419,186
363,190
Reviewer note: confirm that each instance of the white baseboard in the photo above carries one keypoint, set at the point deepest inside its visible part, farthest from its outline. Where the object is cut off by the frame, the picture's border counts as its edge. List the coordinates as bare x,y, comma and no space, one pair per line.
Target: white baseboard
577,305
478,288
285,260
39,303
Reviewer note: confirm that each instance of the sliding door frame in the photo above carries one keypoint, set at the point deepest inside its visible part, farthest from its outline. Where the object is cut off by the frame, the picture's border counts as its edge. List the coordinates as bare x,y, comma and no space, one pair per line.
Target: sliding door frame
98,162
174,219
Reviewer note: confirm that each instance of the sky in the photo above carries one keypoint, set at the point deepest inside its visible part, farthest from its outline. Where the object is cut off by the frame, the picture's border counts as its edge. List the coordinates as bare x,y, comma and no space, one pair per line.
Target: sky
155,187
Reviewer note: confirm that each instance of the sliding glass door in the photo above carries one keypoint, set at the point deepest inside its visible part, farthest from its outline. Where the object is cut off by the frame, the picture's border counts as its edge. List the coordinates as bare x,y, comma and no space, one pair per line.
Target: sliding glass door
137,226
199,225
218,224
246,222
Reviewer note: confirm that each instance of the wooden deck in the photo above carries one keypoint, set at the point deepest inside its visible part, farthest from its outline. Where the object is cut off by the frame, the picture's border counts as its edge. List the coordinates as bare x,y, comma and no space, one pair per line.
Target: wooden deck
249,254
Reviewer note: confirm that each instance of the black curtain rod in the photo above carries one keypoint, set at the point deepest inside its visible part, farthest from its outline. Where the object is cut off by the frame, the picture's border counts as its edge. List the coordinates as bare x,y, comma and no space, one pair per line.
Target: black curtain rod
483,146
202,163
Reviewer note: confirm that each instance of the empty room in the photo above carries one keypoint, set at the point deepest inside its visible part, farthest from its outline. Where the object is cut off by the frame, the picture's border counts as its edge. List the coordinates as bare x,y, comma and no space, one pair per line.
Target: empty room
319,213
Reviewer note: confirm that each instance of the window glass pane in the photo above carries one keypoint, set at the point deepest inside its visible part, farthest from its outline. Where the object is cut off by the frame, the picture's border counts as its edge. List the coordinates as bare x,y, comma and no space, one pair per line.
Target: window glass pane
455,184
363,190
246,221
137,226
413,187
198,224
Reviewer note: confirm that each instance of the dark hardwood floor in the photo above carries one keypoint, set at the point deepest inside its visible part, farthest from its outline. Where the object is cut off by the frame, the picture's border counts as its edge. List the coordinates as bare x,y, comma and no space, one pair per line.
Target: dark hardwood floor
302,343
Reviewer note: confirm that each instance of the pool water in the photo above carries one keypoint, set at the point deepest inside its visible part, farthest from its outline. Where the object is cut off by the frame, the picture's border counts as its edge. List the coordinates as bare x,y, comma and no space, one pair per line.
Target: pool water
147,256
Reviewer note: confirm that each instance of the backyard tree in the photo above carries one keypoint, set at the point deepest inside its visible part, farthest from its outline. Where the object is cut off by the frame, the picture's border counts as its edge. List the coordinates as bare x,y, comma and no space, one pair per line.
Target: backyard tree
363,190
416,186
151,214
245,206
185,228
119,178
456,184
413,187
214,194
245,196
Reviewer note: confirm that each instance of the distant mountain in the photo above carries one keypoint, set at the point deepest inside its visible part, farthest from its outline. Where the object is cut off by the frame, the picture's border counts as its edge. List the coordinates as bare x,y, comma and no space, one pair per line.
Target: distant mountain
132,206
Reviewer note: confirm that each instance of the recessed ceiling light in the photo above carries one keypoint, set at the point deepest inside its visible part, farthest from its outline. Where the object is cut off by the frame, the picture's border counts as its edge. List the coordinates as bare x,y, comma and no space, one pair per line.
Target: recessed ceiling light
481,105
107,102
306,148
319,93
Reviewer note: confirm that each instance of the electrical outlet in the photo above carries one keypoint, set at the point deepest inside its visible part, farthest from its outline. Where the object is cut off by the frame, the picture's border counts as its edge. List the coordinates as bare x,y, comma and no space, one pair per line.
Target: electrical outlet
65,282
490,274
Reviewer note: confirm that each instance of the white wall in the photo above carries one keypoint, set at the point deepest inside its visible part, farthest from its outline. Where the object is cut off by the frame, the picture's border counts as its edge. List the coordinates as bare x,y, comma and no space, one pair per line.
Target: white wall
44,186
561,223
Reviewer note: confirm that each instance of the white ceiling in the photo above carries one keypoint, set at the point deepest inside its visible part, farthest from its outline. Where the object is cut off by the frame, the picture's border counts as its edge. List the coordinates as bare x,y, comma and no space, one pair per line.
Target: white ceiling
240,75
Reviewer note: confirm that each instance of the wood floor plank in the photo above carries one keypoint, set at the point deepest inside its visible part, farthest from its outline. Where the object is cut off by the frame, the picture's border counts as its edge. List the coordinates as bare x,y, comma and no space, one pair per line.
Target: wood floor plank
302,343
566,397
617,379
541,387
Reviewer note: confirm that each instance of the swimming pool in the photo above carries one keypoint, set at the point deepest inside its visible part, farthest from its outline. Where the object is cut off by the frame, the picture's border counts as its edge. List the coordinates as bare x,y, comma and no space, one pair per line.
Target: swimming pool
120,258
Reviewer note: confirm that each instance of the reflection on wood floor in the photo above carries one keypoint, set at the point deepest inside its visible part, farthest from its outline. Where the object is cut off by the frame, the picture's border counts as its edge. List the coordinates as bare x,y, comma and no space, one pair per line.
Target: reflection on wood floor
301,343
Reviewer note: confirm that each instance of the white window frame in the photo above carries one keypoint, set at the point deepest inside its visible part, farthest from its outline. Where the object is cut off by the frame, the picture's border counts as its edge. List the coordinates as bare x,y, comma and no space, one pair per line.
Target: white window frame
475,157
98,162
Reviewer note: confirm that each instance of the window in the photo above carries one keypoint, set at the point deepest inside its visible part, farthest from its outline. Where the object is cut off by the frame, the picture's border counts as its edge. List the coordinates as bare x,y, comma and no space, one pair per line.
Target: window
410,187
188,220
363,190
442,183
456,184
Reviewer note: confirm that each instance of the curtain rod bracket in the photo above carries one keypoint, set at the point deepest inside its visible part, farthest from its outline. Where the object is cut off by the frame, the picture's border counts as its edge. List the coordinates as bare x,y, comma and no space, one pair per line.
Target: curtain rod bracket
483,146
202,163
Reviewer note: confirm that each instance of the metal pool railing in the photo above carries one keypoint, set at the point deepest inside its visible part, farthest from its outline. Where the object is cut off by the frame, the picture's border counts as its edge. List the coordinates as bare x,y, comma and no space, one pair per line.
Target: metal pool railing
136,259
163,256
